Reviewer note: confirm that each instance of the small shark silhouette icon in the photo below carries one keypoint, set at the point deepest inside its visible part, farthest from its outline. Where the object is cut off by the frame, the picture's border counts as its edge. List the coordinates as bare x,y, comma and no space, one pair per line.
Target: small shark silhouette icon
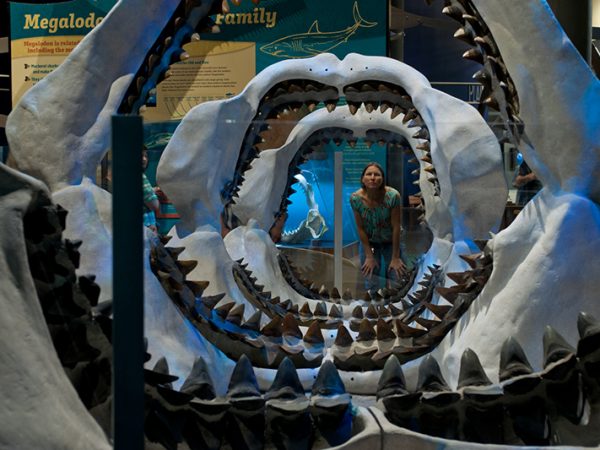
314,41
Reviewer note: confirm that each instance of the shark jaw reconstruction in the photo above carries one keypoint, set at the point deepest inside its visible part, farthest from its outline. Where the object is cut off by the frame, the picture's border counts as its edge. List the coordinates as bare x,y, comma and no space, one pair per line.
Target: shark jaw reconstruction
490,339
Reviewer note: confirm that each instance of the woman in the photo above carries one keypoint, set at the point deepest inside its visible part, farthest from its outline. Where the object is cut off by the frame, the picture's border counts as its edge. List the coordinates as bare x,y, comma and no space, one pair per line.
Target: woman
377,213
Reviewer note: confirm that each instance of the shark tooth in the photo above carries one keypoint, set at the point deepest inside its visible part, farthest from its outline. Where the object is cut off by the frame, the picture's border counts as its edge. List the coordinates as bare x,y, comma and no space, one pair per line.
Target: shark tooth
273,328
423,133
372,312
321,309
465,34
440,311
286,384
405,331
335,312
471,372
366,332
430,376
290,326
513,361
454,12
199,383
410,114
175,251
474,54
396,110
331,105
555,346
197,287
335,293
383,311
186,266
236,314
343,337
427,323
347,295
314,335
224,309
323,292
253,322
211,301
589,334
357,312
384,331
392,381
305,310
243,382
328,382
394,311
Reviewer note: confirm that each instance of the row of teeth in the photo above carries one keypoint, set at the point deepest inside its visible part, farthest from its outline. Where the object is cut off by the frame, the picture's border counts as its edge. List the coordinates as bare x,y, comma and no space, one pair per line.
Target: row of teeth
293,94
282,335
499,91
525,407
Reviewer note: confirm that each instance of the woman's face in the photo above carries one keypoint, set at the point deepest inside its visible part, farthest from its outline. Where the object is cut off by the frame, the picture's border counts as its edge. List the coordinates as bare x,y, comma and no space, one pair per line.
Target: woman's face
372,178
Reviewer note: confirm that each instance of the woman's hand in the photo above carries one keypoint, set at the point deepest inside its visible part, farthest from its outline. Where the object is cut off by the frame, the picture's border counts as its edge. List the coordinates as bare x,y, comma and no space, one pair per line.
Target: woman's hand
369,266
398,266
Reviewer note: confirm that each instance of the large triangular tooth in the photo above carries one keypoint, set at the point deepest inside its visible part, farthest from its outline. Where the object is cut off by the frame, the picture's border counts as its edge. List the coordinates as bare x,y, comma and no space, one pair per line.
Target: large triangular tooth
410,114
353,107
343,337
286,304
424,146
328,382
335,312
330,105
210,301
253,322
430,376
394,311
383,311
454,12
385,331
286,384
366,332
396,110
423,133
197,287
371,312
555,346
459,277
406,304
440,311
224,309
273,328
405,331
305,310
465,34
290,326
474,54
392,381
236,314
347,295
482,75
335,294
357,312
471,372
186,266
589,334
243,382
427,323
367,297
513,361
175,251
275,300
321,309
323,292
450,294
314,335
199,383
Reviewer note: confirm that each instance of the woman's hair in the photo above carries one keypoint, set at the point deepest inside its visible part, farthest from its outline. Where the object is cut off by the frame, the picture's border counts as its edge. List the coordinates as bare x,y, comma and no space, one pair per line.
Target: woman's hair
378,166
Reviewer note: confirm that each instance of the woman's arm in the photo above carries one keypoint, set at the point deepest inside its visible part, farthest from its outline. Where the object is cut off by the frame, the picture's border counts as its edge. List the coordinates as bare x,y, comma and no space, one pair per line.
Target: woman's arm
396,263
370,264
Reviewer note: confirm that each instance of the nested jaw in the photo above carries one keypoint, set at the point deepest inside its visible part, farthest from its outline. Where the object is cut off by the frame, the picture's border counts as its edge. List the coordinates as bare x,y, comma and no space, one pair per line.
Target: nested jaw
235,160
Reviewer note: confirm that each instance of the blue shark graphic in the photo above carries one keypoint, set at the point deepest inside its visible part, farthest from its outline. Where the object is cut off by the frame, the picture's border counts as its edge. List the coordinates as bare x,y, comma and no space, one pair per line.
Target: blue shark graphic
314,41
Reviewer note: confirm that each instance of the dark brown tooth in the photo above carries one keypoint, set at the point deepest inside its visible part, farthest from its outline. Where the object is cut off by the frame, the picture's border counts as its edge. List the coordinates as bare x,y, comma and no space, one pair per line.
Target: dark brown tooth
450,293
491,102
197,287
294,309
186,266
474,54
353,107
335,312
464,34
305,310
384,331
290,327
423,133
273,328
472,259
210,301
321,309
410,114
175,251
323,292
343,338
396,111
394,311
383,311
275,300
253,322
287,304
405,331
426,323
366,332
384,106
440,311
314,335
311,106
371,312
223,310
367,297
483,76
335,293
347,295
164,240
330,105
426,159
459,277
357,312
236,314
425,146
454,12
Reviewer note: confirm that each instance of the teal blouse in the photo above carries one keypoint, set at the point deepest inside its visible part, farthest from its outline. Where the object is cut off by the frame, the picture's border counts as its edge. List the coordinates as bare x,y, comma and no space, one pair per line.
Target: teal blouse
377,221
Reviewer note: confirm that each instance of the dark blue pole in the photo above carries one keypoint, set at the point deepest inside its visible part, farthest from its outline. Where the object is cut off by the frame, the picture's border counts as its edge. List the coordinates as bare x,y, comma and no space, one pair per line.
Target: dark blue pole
128,284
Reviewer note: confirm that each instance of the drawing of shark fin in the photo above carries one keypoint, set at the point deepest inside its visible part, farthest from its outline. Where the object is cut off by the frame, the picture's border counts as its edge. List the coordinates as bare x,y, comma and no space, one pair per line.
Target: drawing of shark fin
314,28
358,18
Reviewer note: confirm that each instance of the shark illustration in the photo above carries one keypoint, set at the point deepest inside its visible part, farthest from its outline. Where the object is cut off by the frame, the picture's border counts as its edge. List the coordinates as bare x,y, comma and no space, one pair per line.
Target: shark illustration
314,41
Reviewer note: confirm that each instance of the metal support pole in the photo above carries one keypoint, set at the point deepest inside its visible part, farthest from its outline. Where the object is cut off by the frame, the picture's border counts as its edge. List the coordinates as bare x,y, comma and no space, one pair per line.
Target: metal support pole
128,284
338,184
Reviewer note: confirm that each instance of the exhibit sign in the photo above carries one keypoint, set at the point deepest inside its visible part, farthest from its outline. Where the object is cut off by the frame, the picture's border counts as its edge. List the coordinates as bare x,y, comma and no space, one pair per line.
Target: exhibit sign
253,35
43,35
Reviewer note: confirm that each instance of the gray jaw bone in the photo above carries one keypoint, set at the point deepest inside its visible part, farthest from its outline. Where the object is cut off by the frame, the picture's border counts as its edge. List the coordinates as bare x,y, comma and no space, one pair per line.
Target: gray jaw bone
75,132
560,94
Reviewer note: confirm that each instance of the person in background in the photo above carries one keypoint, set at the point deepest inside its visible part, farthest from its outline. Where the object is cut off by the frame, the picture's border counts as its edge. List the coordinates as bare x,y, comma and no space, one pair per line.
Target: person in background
527,184
378,221
151,203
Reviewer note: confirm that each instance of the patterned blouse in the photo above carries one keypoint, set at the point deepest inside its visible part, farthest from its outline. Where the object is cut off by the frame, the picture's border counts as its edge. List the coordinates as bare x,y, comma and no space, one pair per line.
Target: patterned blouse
377,221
